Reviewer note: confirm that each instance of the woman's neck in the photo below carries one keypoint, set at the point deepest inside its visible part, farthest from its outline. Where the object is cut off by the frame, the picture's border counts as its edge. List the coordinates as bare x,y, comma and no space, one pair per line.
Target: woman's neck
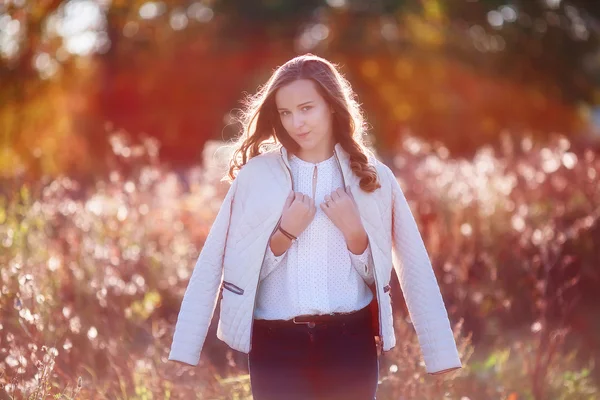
316,156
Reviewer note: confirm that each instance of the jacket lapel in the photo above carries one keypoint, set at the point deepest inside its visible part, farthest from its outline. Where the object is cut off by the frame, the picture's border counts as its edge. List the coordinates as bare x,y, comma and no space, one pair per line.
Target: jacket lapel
366,203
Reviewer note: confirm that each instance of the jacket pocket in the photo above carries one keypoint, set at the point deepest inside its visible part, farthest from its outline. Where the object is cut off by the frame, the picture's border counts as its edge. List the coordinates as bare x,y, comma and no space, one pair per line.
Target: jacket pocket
231,287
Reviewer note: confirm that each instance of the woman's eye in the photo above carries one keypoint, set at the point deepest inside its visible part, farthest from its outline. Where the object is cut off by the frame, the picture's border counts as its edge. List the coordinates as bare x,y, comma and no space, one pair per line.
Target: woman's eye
283,113
306,108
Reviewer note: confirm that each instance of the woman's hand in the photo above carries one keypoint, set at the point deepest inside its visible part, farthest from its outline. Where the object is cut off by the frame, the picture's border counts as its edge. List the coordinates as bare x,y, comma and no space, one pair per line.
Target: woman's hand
298,211
177,372
341,209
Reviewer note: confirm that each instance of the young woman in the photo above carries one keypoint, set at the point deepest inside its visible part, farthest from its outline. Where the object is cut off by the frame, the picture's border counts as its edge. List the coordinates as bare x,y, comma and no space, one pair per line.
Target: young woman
302,249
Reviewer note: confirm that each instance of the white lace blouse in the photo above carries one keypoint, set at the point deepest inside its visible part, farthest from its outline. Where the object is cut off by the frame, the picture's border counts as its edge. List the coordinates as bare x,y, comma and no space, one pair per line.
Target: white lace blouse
318,274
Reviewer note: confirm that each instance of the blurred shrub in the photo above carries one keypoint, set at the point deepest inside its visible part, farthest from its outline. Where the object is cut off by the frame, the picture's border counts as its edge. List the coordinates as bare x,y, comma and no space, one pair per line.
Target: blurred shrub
92,278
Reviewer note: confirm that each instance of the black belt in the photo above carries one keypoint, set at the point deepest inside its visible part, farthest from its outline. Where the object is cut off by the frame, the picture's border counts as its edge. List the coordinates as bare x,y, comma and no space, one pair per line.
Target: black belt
323,319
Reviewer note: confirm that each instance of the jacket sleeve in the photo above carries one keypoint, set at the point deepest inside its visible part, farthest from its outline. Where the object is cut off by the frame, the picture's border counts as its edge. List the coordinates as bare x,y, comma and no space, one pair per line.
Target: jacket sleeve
201,295
420,288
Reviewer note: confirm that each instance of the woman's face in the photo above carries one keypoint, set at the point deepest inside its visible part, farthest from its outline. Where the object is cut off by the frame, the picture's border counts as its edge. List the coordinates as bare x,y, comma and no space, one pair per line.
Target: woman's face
306,116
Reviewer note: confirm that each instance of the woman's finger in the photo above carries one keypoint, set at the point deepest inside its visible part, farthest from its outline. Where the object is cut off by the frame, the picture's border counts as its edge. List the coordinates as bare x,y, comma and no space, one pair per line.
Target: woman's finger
324,207
349,193
289,200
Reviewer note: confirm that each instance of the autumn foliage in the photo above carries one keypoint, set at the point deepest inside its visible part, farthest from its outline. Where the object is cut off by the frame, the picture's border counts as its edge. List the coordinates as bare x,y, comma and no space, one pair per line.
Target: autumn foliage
92,280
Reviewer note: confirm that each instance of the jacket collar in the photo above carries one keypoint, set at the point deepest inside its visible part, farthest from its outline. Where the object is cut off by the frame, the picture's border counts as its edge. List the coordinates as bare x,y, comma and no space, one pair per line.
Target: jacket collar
342,157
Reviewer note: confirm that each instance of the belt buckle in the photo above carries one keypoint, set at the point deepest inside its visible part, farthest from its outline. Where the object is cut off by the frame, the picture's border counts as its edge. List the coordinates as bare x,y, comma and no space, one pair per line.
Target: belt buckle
310,324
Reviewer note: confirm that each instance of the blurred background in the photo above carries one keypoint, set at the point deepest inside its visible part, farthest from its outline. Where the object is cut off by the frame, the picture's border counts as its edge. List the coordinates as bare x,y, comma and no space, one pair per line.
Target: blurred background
112,114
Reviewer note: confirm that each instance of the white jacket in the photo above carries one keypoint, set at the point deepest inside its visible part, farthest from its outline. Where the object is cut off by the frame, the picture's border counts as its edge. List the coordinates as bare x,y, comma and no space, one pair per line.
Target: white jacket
234,250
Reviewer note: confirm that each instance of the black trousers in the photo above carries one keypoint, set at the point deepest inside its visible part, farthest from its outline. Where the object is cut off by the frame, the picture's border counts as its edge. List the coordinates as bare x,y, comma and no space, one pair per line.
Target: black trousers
330,361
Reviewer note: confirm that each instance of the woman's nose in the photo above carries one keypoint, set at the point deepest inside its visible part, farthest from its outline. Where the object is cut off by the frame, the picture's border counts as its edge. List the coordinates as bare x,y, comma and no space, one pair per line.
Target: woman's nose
298,121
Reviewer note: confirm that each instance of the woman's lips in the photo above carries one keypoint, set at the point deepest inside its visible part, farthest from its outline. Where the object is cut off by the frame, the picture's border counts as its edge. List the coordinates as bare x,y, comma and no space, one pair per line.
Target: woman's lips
303,135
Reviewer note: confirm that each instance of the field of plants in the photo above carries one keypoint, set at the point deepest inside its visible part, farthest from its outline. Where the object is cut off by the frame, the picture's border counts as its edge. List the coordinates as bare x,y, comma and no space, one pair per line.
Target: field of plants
92,276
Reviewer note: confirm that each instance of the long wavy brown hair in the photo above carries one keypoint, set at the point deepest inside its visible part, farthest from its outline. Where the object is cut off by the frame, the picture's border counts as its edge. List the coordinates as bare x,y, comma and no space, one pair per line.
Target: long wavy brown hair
260,121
